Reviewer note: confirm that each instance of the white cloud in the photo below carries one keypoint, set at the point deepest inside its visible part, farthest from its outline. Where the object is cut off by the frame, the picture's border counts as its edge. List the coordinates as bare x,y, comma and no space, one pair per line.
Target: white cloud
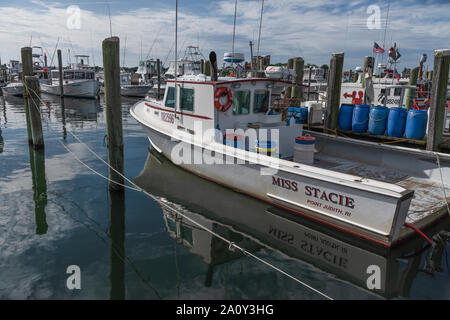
311,29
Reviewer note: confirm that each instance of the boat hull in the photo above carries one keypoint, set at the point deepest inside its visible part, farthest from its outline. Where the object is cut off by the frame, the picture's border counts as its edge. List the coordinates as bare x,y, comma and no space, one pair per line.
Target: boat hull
80,89
135,90
16,90
377,218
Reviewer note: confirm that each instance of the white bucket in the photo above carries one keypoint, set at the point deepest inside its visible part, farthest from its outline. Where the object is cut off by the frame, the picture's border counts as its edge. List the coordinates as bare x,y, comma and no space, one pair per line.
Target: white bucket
304,149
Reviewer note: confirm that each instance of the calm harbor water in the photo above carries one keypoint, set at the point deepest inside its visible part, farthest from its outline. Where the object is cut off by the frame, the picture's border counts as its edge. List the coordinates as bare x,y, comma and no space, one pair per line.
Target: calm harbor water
55,212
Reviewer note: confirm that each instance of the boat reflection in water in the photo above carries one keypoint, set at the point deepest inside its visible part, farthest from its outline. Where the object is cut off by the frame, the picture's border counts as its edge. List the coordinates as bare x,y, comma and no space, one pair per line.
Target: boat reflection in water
253,225
74,110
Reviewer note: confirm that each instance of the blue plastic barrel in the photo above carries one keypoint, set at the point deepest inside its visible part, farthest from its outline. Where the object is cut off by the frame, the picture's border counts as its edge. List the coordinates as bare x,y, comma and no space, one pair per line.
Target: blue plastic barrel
396,122
302,116
377,119
416,124
360,121
345,116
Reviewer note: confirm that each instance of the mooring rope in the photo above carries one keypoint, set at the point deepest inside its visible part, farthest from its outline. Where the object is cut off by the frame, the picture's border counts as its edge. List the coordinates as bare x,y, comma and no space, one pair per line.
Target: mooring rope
231,245
438,161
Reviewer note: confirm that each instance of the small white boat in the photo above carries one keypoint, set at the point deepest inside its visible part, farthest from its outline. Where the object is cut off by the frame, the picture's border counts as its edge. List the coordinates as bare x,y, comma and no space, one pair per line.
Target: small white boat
364,189
13,89
78,81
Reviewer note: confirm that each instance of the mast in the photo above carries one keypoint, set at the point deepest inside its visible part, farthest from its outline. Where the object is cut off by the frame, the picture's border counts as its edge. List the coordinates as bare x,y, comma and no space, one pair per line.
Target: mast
176,64
234,26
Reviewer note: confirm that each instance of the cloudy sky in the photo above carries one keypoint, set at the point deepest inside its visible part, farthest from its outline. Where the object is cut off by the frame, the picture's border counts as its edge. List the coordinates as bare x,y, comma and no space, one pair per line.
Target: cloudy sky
305,28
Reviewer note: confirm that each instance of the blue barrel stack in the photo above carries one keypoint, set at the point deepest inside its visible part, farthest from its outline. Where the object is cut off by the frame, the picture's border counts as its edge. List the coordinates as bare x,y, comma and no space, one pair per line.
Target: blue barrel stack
360,121
416,124
345,117
396,122
377,120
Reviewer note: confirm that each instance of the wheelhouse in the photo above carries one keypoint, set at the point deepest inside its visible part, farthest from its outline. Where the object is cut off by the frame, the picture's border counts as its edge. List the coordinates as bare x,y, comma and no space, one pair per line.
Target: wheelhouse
73,75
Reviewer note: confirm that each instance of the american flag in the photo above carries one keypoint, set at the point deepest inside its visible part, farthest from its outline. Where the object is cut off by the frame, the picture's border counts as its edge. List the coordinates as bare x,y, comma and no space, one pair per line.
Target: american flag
396,75
377,48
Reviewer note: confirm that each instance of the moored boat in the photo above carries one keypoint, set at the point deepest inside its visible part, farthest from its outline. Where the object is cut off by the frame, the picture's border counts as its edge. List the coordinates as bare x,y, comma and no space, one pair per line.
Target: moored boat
357,195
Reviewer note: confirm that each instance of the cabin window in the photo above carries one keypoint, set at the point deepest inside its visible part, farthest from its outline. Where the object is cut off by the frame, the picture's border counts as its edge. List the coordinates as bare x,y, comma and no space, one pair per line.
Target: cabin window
55,75
90,75
397,92
68,75
170,99
187,99
79,75
241,102
261,101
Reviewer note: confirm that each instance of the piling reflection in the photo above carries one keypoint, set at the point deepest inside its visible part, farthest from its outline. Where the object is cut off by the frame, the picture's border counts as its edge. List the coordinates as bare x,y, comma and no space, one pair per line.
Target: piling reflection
74,110
243,220
37,164
117,245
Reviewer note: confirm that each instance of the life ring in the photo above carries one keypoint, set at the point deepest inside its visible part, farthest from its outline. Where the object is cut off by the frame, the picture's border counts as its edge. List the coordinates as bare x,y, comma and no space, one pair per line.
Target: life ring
36,64
222,92
422,90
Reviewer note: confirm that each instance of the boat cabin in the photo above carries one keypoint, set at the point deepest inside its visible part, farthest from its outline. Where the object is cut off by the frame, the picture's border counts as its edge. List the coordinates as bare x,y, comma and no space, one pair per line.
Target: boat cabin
74,75
229,103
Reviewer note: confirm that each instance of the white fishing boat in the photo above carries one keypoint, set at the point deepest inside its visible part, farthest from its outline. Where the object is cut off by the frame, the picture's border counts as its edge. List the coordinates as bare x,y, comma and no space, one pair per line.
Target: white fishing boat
78,81
263,225
13,89
133,85
362,188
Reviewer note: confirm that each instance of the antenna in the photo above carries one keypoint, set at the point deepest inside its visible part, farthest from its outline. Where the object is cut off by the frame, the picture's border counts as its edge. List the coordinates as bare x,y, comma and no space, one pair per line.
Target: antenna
110,25
31,39
385,28
260,24
234,26
176,64
92,49
124,48
54,51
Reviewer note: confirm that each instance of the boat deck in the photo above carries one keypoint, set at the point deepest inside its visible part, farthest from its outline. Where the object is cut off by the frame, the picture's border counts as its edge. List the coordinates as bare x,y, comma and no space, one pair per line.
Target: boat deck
428,203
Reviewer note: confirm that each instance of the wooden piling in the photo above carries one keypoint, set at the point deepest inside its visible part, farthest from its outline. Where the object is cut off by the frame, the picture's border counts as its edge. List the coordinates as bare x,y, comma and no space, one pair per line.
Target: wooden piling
31,87
334,90
288,90
27,70
37,165
60,71
297,92
113,101
438,98
117,245
368,61
207,68
309,82
411,93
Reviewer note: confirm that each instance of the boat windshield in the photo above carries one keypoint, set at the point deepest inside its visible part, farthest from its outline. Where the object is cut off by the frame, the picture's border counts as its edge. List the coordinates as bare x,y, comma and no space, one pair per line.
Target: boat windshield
261,101
241,102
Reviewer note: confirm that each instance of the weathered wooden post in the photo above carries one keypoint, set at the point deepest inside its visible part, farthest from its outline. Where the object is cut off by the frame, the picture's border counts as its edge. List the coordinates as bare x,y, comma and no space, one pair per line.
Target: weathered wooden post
411,93
368,61
297,92
37,165
27,70
288,90
438,98
207,68
117,245
334,90
113,101
32,91
309,82
60,71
